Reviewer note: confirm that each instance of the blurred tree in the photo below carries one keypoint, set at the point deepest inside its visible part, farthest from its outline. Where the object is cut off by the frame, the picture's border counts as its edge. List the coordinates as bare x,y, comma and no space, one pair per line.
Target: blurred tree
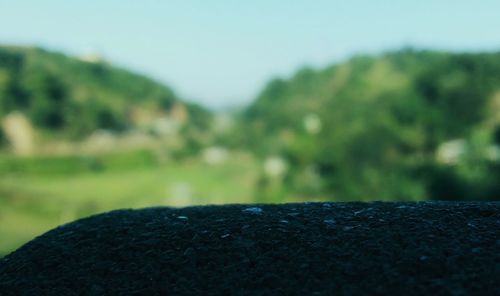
72,97
383,120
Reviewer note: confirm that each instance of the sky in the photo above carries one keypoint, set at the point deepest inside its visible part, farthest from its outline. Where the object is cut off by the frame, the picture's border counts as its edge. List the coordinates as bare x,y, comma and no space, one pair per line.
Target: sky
222,52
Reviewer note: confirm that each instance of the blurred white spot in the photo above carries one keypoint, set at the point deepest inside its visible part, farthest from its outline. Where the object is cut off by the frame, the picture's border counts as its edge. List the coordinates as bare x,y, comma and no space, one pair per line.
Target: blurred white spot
166,126
91,57
493,153
100,140
183,218
275,166
312,123
214,155
450,152
20,133
179,194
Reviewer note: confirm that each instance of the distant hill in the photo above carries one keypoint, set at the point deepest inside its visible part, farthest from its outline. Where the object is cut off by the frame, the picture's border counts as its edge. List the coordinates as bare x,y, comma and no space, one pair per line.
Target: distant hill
73,97
373,125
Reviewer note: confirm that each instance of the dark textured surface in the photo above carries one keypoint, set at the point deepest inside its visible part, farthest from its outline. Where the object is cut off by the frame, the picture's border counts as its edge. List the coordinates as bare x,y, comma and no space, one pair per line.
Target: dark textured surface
304,249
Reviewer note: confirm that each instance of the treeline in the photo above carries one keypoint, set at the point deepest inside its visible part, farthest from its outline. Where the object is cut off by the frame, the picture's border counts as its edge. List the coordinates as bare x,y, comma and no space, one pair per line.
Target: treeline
73,97
405,125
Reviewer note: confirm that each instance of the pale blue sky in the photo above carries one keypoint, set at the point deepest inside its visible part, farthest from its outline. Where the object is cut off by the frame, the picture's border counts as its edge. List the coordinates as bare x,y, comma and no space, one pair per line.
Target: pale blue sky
221,52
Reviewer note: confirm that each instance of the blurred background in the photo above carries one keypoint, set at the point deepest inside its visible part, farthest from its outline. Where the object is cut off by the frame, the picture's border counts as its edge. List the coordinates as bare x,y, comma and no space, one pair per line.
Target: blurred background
129,104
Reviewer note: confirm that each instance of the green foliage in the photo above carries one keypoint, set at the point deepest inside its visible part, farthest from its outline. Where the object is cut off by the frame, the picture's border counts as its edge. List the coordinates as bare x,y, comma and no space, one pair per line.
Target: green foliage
383,120
73,165
72,97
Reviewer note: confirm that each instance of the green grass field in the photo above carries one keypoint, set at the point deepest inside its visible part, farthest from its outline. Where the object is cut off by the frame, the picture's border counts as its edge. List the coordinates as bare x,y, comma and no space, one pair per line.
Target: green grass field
39,194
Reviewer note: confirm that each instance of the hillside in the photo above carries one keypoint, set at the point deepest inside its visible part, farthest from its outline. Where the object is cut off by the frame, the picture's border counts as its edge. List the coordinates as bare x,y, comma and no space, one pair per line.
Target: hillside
72,97
403,125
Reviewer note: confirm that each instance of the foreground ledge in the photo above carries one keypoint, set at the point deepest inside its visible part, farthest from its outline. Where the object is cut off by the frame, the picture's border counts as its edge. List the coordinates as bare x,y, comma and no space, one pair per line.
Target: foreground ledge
424,248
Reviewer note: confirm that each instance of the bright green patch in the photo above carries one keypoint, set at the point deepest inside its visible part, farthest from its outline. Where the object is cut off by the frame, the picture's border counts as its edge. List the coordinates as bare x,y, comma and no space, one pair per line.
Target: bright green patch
31,204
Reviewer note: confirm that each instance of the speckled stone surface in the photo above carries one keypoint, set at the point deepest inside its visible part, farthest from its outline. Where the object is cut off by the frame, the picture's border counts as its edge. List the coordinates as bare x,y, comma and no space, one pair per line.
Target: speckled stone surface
428,248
